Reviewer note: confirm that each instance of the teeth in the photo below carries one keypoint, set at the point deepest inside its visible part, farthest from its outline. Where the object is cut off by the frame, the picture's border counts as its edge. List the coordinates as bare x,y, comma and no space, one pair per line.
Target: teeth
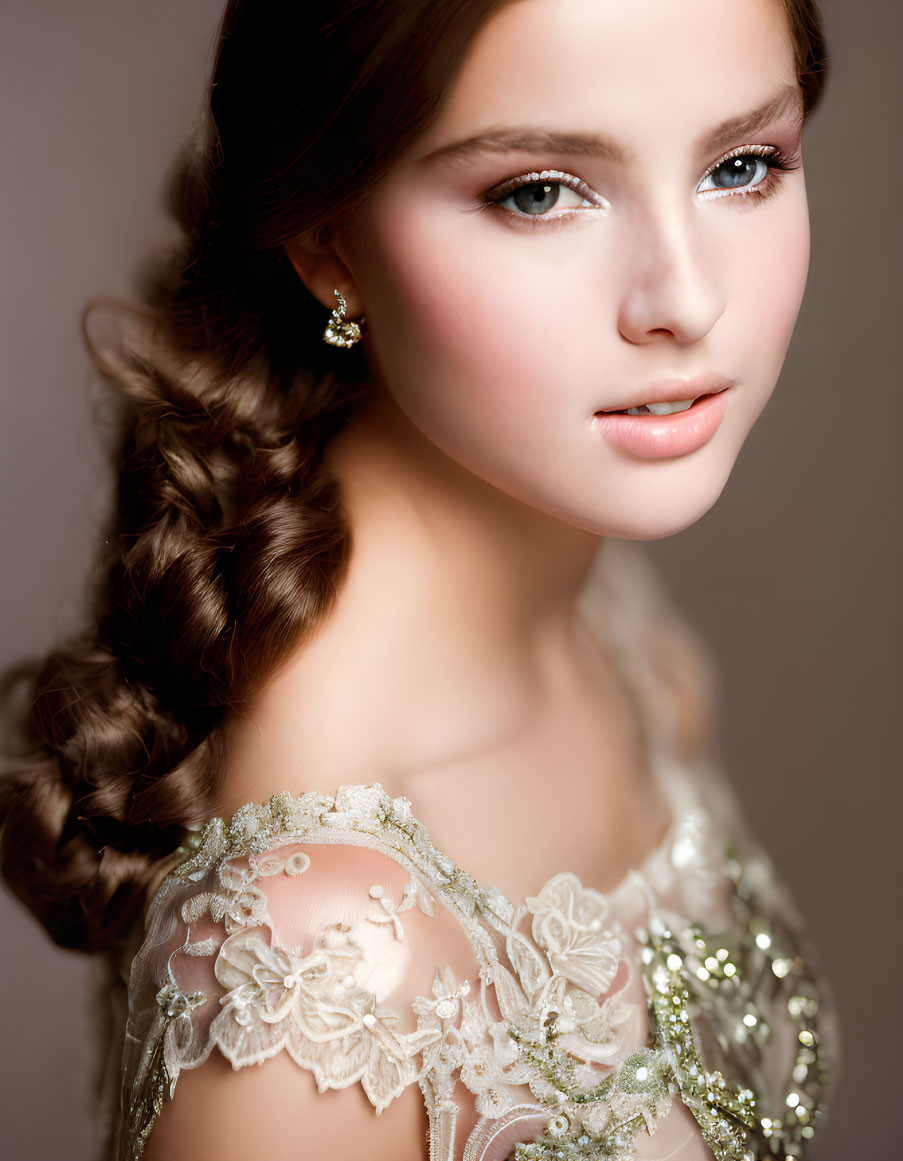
660,408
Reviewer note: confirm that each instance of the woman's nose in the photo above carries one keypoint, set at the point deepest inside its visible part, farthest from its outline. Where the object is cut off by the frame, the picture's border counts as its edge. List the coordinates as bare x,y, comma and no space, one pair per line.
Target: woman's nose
673,289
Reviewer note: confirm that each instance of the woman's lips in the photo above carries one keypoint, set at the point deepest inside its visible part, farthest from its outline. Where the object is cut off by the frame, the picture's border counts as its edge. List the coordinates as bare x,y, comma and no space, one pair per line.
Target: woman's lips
660,436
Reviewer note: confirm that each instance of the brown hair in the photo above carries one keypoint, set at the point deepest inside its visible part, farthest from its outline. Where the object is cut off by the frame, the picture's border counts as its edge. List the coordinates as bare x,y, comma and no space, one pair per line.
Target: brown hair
228,540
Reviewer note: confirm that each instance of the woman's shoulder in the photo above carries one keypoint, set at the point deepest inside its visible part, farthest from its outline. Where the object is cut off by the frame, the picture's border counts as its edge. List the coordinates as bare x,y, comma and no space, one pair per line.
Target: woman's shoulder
302,929
280,941
327,931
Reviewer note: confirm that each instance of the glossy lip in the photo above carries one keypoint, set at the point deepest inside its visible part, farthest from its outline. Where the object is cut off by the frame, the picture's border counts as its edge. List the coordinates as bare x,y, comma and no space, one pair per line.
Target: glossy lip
661,436
673,390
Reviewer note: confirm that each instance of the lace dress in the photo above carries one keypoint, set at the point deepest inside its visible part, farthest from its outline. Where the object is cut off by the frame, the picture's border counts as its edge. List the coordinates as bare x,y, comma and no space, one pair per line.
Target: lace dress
675,1017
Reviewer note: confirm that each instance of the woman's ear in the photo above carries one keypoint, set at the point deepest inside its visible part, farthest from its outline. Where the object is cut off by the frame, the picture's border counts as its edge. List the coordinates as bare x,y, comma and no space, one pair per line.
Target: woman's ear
323,271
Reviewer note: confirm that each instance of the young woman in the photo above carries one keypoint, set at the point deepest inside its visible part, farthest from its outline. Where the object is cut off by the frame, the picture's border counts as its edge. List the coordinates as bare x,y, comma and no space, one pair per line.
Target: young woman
384,763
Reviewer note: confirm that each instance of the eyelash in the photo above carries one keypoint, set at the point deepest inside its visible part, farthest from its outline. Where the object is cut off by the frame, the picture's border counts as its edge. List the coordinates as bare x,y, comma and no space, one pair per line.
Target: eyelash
777,161
493,198
778,164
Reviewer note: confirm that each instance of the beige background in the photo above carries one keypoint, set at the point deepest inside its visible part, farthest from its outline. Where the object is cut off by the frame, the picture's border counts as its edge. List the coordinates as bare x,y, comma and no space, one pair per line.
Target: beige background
792,576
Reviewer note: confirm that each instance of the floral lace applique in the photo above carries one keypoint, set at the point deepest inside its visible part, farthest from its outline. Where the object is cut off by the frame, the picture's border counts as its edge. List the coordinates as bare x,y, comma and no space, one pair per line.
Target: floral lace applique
538,1034
314,1008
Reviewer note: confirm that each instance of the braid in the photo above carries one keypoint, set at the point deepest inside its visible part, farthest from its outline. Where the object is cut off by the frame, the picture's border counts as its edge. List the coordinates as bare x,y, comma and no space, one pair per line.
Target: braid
224,549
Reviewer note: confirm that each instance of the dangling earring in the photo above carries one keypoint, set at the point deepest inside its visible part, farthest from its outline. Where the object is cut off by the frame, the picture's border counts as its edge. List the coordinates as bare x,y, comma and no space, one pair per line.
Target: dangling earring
339,331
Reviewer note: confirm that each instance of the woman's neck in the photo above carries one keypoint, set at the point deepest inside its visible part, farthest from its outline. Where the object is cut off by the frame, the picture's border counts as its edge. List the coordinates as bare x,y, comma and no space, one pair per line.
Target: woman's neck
455,620
447,548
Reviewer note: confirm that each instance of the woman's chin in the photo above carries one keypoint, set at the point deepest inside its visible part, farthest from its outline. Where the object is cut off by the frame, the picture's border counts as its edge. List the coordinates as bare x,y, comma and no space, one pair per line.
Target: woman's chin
657,529
648,516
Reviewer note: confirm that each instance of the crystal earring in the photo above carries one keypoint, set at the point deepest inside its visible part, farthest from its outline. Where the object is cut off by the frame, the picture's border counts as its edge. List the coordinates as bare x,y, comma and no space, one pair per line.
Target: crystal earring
341,332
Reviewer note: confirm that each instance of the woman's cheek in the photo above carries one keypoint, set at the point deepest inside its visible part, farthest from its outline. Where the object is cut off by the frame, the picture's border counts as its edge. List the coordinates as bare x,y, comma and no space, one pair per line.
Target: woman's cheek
465,332
772,280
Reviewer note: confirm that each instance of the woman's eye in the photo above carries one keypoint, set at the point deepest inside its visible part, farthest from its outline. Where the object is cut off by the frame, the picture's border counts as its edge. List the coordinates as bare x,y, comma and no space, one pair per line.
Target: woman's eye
534,195
539,198
743,171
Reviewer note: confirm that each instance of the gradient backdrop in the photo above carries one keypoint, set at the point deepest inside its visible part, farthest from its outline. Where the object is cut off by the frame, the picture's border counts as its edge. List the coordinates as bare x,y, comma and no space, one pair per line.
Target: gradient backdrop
792,577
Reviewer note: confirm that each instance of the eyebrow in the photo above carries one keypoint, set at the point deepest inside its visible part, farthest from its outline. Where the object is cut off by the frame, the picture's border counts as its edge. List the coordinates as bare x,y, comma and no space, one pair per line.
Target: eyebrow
528,140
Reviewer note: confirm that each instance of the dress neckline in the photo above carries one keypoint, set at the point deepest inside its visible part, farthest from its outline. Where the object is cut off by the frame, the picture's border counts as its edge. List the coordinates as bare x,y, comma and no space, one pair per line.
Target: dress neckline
608,611
379,821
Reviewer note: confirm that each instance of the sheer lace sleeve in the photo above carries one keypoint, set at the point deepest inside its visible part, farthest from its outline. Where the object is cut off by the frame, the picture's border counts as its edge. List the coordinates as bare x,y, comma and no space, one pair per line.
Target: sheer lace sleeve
333,953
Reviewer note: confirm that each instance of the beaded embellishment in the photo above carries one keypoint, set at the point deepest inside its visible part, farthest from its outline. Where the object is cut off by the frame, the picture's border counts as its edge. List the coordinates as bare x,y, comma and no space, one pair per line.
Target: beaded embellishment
538,1035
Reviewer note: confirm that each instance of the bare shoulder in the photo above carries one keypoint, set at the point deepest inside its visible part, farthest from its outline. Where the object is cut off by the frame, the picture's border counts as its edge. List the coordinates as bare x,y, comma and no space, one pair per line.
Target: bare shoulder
275,1110
282,992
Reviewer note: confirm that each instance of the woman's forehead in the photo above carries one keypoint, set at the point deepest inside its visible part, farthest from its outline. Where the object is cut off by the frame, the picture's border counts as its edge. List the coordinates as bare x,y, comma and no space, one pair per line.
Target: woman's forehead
619,66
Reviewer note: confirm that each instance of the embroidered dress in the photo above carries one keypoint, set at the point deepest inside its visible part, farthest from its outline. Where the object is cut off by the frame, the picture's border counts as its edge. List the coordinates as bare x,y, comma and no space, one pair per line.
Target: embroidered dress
676,1016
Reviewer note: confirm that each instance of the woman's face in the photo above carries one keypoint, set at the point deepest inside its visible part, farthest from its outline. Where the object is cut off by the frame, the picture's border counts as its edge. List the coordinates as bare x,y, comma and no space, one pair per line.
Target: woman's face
597,219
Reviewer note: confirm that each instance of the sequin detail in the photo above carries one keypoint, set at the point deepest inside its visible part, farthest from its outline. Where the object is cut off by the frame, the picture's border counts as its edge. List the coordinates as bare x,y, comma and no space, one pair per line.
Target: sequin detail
734,981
